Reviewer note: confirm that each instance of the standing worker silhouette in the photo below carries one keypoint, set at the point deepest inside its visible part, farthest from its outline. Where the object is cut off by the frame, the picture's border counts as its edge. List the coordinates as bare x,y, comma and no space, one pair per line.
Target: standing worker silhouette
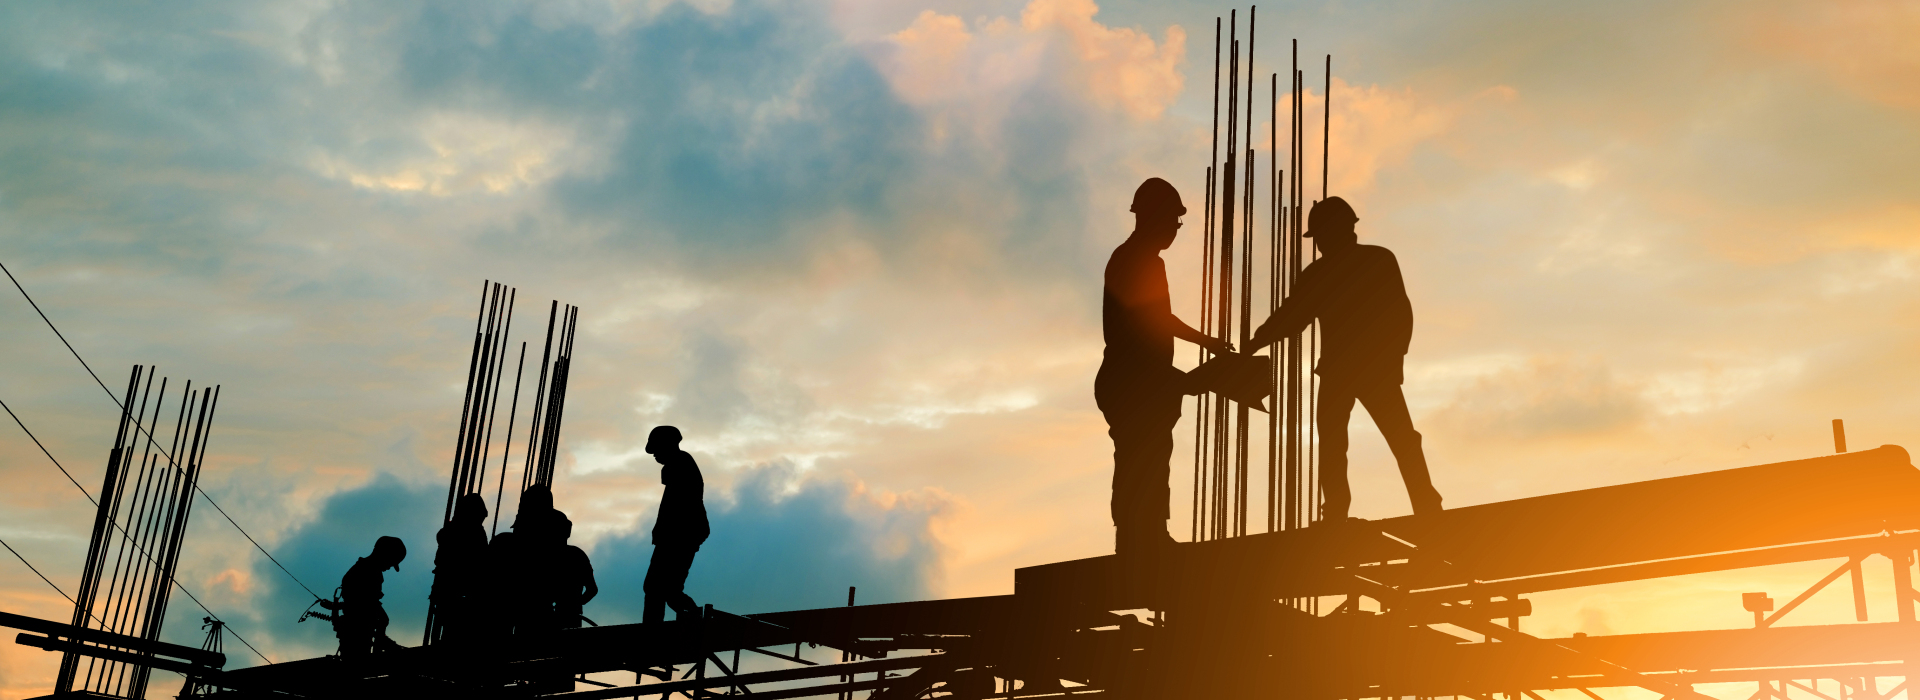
459,570
517,561
572,572
359,620
678,530
1357,293
1138,389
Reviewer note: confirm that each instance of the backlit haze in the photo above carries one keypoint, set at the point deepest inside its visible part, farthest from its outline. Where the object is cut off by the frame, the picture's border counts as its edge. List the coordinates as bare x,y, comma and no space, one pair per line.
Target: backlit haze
853,250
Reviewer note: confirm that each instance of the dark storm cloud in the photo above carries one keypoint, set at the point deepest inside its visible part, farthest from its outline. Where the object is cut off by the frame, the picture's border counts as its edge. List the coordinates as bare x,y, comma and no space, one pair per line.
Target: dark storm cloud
344,530
781,540
785,541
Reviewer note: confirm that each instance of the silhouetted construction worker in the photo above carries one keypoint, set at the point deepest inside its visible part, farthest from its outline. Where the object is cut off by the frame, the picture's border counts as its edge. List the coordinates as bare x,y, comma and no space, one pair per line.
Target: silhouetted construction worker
459,569
521,596
1138,389
678,531
1357,293
359,620
573,583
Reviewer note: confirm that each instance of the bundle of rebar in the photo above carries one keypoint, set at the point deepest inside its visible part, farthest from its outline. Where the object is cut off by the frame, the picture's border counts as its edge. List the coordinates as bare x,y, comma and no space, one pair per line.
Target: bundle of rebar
1222,478
550,397
480,407
138,527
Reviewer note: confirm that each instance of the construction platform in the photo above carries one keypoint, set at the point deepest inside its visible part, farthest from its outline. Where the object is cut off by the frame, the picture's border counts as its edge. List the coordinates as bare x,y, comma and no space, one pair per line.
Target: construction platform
1228,618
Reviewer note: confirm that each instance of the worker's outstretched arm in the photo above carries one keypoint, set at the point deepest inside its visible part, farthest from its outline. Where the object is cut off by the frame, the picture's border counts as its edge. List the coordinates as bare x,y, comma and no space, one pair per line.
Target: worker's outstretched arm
1181,330
1292,317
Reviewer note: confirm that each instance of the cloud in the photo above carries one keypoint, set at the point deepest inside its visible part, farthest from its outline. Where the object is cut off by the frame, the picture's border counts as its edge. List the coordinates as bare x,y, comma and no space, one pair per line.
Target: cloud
1639,244
344,529
1544,398
937,61
1123,66
1866,47
457,154
784,540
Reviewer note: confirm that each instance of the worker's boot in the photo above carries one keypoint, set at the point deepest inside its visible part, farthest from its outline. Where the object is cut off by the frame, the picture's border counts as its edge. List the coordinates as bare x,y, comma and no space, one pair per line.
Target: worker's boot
1143,539
1428,506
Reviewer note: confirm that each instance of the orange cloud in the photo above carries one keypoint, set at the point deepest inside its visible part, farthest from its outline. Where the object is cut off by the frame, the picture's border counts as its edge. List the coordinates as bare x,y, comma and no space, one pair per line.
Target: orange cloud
929,58
236,580
1868,47
938,59
1124,66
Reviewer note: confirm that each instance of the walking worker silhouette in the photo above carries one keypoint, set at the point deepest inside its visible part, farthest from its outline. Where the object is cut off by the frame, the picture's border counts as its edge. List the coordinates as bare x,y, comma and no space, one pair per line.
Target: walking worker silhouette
1357,293
459,570
678,530
1138,389
359,620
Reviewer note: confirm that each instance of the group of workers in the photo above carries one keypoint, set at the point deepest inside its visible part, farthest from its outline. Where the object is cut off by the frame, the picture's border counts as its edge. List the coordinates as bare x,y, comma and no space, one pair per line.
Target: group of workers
530,580
1356,293
527,580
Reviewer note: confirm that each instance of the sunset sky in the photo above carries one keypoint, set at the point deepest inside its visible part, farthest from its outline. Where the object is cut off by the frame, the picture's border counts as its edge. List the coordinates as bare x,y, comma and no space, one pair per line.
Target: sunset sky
853,249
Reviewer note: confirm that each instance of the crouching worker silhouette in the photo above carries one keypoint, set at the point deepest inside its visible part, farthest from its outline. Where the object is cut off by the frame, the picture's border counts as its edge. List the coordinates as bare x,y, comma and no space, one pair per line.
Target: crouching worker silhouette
1138,389
678,531
358,618
1357,293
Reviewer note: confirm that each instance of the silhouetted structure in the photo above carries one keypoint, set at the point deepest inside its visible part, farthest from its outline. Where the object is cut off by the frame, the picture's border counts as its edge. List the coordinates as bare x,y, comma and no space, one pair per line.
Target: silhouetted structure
678,530
1431,606
460,570
1358,296
1225,478
359,620
1138,389
485,371
138,527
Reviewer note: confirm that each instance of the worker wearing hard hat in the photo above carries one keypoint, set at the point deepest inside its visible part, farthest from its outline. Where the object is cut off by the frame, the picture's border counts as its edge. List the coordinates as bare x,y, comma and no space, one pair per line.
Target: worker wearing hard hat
359,620
679,529
1361,301
1138,389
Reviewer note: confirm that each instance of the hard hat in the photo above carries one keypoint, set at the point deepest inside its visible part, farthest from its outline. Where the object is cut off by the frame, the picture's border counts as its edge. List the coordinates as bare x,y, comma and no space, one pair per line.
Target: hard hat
470,506
392,546
661,437
1157,195
1329,212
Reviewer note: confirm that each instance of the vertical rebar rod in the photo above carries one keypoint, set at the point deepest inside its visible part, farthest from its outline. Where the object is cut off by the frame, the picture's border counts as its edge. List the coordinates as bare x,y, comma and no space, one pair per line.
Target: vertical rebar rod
1206,327
114,613
477,418
1201,400
499,372
460,437
83,596
1247,288
512,411
1224,305
539,397
111,497
559,410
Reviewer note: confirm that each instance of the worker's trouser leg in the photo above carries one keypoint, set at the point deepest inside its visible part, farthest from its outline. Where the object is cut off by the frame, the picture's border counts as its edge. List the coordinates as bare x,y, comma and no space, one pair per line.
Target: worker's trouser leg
355,641
1140,419
1388,407
666,582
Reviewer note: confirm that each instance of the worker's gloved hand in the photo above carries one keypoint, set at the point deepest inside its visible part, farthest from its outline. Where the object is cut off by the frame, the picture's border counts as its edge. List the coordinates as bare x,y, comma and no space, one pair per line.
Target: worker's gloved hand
1219,346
